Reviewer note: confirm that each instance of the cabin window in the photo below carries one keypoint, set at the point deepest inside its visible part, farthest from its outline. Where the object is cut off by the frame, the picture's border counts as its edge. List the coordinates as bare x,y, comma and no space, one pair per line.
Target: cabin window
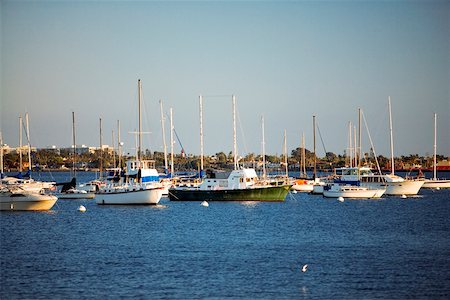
248,179
241,180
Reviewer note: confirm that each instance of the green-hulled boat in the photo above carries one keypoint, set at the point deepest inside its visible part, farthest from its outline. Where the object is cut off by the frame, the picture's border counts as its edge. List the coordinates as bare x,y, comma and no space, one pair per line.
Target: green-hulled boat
239,185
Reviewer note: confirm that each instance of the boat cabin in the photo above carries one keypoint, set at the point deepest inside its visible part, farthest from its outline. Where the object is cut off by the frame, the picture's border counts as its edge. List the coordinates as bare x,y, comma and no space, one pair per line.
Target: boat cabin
237,179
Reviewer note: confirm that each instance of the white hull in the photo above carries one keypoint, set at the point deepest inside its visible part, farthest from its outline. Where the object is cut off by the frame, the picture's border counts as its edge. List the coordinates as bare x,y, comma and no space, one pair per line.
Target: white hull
407,187
353,192
128,196
305,186
26,201
436,183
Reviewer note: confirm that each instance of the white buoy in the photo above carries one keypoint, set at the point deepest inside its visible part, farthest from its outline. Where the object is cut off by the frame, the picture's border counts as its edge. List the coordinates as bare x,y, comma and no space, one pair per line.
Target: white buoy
438,188
403,196
304,268
341,199
81,208
294,192
204,203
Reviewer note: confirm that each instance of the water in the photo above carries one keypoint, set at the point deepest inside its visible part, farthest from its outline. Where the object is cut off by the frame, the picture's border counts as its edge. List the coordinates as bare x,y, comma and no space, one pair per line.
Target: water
388,248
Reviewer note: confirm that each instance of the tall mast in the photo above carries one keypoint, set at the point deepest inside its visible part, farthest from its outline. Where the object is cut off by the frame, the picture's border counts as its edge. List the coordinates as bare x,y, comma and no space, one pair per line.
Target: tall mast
73,142
163,135
303,154
140,120
285,155
434,147
350,150
314,141
171,143
101,150
355,151
114,150
119,144
263,148
234,133
200,100
28,140
390,133
20,143
359,138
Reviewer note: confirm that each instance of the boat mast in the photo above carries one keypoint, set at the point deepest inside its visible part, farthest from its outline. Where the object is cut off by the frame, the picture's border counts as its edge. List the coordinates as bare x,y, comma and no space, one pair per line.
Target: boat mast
200,100
171,143
355,149
285,156
140,120
350,150
101,150
434,147
390,133
114,150
28,140
263,148
314,142
119,144
303,154
359,138
20,144
163,136
234,133
74,143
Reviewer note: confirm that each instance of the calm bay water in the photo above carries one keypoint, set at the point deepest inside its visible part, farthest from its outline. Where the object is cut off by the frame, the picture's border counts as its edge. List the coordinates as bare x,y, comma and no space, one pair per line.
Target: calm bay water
387,248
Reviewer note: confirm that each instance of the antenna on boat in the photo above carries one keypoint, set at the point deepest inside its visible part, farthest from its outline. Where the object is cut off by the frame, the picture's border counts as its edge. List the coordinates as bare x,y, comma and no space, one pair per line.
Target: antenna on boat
392,138
234,133
200,100
163,136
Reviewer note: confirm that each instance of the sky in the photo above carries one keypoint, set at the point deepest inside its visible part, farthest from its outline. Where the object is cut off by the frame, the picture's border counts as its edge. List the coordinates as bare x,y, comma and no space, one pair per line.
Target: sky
284,60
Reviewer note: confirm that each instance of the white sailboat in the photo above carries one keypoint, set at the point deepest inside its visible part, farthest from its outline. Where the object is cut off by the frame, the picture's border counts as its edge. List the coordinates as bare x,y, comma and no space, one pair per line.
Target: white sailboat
70,190
436,183
140,184
24,194
303,184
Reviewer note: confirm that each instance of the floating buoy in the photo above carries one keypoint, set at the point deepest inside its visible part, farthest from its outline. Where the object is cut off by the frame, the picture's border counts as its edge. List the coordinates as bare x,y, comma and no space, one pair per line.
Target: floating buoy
403,196
294,192
438,188
341,199
81,208
204,203
304,268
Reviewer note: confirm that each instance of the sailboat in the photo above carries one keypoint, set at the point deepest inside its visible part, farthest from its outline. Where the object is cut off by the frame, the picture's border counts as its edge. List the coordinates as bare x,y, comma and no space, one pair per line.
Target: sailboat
436,183
303,184
69,190
24,194
139,184
241,184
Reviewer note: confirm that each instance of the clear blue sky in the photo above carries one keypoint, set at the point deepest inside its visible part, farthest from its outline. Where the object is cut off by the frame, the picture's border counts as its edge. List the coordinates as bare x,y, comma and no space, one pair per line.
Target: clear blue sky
287,61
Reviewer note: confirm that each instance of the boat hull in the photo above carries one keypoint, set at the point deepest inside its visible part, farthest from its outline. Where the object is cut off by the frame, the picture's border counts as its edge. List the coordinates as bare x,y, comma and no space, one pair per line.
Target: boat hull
353,192
28,202
438,183
269,194
136,197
